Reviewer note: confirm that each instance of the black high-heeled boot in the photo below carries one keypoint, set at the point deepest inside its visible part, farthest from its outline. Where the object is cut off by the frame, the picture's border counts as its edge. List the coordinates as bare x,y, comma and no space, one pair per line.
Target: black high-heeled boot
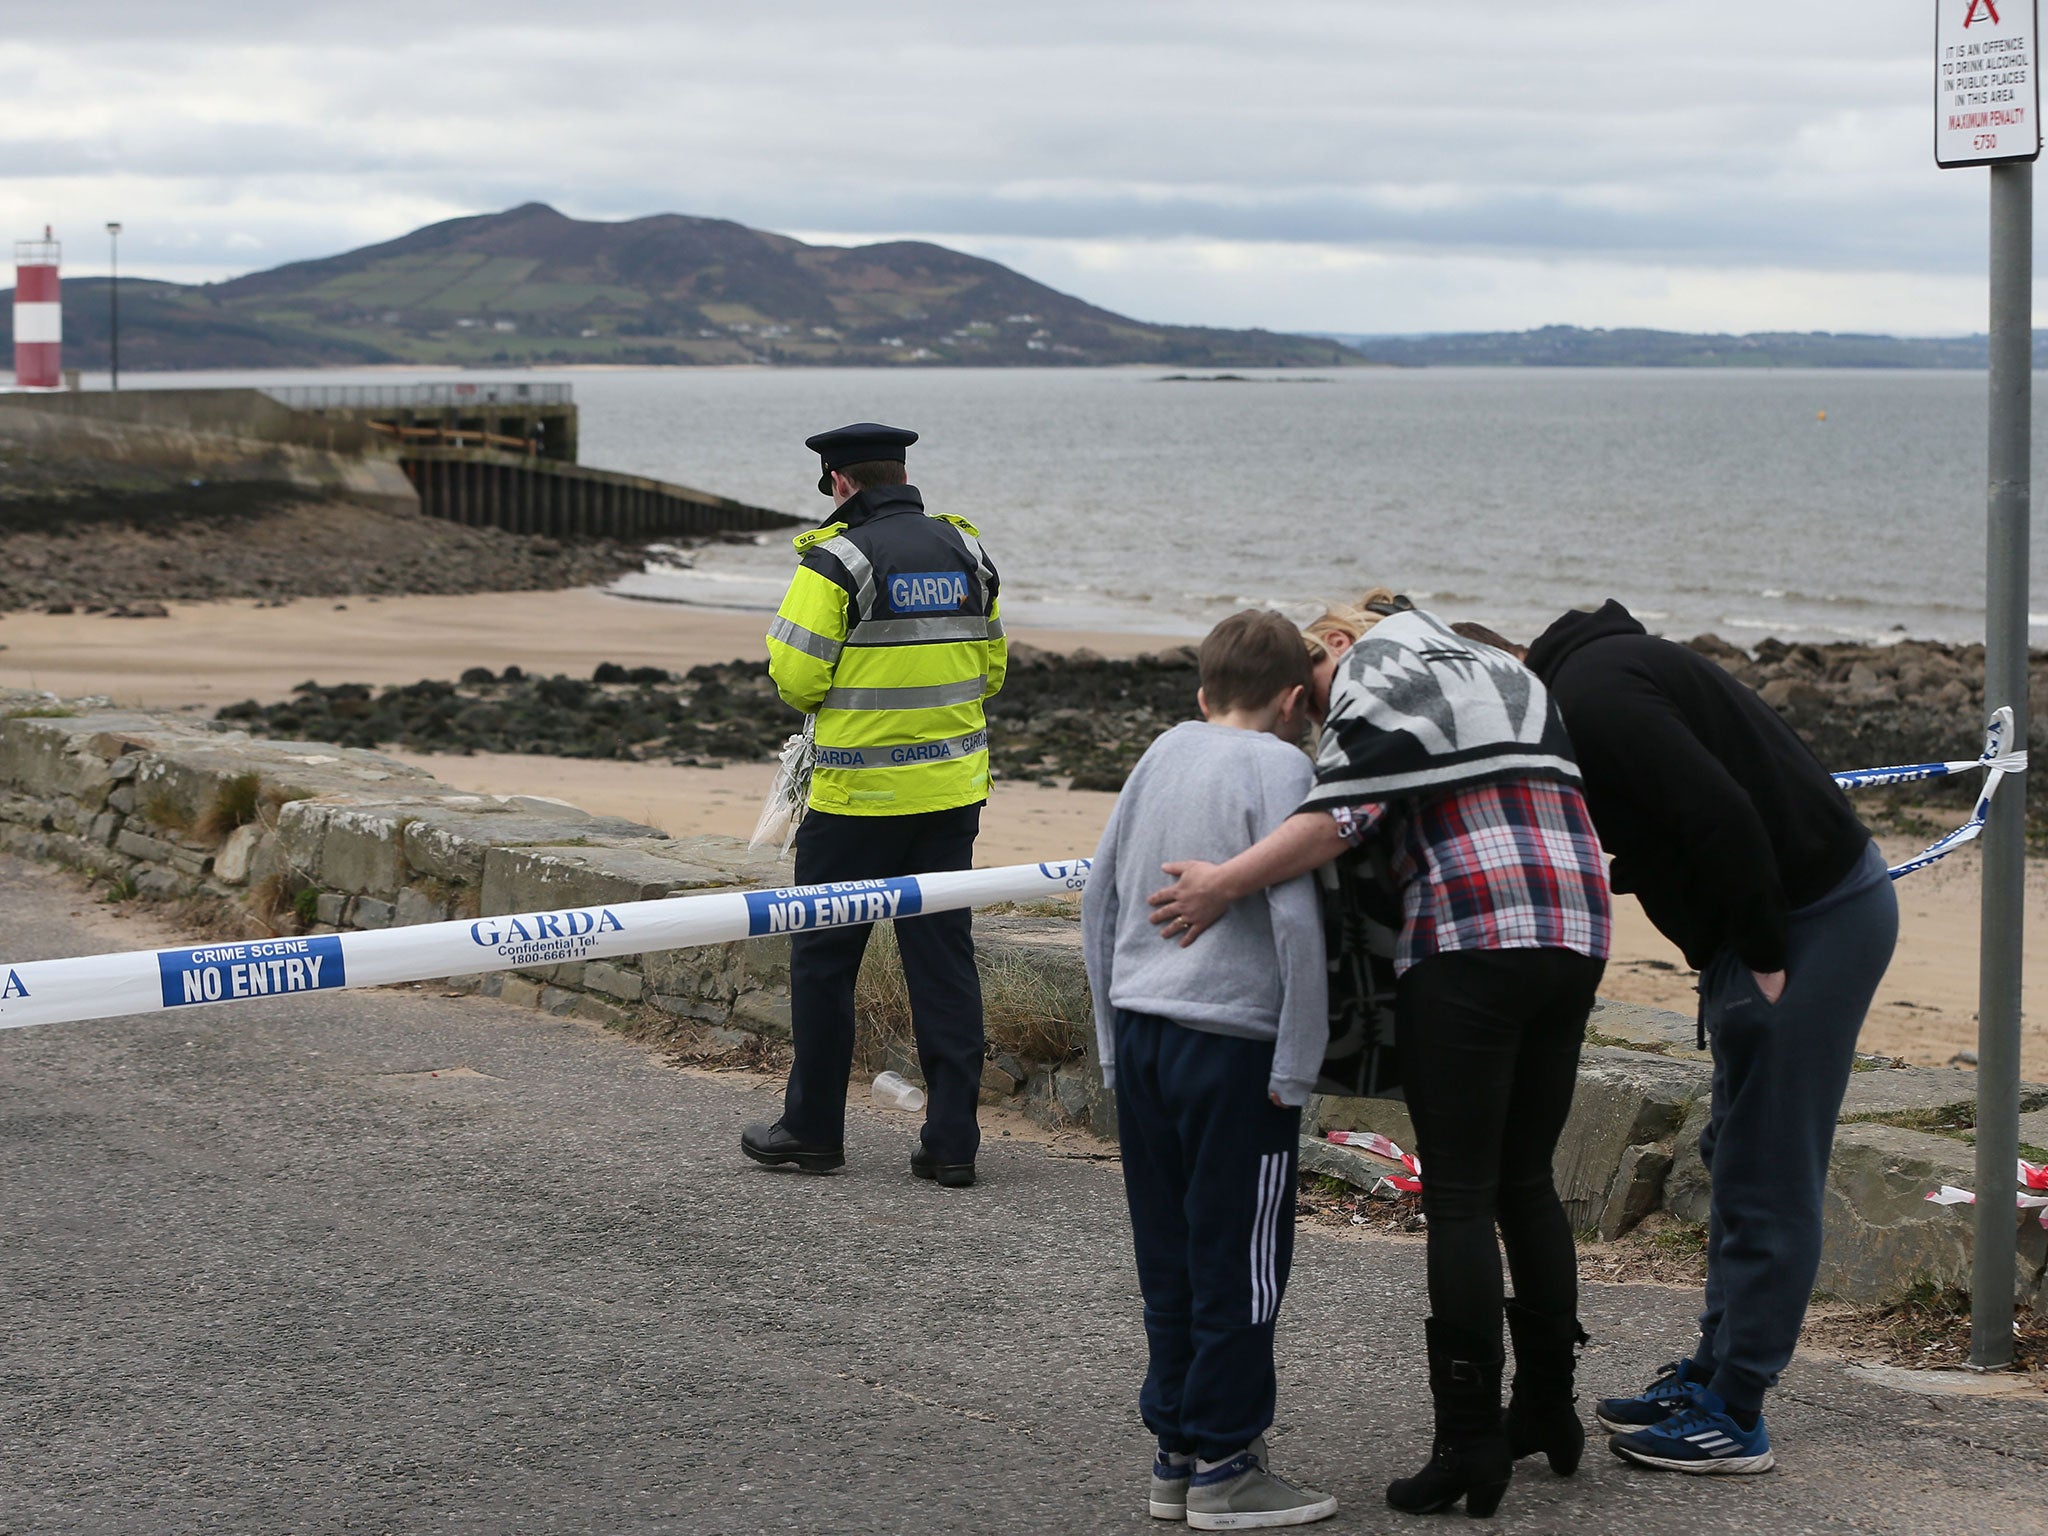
1469,1459
1542,1412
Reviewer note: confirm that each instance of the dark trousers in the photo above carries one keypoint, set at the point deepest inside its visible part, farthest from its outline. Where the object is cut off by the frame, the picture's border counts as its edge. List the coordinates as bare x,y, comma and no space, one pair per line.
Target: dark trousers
1209,1172
1780,1071
938,966
1489,1045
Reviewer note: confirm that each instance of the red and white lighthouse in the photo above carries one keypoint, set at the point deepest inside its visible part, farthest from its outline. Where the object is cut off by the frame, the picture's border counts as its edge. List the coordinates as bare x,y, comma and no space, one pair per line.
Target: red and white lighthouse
38,315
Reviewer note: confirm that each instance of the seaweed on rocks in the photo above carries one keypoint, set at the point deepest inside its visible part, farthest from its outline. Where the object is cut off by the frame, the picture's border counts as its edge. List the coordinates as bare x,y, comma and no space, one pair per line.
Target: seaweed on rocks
125,562
656,717
1867,706
1082,720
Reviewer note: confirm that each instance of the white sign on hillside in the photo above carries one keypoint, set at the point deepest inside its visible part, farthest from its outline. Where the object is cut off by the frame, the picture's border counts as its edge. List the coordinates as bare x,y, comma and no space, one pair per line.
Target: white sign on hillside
1987,88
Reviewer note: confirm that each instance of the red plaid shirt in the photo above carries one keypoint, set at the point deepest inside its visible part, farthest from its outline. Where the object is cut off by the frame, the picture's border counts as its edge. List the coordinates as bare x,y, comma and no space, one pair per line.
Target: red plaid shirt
1500,866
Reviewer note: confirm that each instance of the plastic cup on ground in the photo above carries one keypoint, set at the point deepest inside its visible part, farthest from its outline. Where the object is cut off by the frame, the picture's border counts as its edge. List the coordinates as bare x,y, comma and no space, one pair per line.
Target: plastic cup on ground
894,1091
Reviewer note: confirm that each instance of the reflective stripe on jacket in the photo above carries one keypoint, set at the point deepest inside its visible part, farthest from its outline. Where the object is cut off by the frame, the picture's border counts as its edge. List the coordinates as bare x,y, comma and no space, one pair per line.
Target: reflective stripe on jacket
891,633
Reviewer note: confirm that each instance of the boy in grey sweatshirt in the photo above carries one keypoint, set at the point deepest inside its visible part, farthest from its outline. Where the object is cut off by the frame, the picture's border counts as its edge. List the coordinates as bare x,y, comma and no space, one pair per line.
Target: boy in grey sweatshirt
1212,1051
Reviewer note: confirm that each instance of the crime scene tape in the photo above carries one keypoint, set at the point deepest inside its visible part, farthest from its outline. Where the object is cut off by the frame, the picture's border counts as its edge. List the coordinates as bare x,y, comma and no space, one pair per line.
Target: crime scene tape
195,975
2033,1176
1997,761
1382,1146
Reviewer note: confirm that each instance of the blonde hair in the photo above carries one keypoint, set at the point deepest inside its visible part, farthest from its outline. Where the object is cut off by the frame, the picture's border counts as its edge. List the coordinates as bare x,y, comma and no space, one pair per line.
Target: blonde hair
1350,619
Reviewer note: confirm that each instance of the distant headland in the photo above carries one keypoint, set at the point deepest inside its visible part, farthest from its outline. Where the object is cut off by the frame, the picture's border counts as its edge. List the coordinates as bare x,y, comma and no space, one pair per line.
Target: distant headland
533,287
1571,346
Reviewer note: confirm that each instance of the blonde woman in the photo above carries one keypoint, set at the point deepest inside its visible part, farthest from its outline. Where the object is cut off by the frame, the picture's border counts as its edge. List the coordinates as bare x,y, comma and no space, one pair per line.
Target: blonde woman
1449,754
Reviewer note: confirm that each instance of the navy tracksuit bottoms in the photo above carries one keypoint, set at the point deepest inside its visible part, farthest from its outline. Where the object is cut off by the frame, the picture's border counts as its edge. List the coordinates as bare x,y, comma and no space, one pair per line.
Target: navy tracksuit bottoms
1780,1070
1209,1171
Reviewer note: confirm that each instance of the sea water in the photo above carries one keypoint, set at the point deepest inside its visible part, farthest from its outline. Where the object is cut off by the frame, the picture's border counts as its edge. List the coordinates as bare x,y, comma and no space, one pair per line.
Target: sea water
1806,504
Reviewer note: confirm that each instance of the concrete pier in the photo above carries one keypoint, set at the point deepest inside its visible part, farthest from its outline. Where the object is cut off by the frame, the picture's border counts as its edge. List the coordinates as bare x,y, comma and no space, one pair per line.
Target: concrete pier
533,494
498,455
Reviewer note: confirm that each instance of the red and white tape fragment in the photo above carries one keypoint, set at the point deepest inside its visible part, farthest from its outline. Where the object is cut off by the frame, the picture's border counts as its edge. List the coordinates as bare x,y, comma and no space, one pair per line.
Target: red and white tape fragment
2033,1175
1380,1146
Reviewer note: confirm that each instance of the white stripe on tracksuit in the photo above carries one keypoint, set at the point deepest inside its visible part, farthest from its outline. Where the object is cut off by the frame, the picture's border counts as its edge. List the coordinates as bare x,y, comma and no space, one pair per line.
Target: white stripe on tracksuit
1273,1174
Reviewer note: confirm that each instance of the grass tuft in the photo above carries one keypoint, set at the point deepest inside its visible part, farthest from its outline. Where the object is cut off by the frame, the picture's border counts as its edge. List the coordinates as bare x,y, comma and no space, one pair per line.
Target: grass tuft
1033,1013
234,804
1647,1047
1958,1122
163,809
1684,1239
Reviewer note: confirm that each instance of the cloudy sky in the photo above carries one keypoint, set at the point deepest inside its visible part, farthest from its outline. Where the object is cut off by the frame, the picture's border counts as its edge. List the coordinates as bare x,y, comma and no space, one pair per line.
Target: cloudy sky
1366,165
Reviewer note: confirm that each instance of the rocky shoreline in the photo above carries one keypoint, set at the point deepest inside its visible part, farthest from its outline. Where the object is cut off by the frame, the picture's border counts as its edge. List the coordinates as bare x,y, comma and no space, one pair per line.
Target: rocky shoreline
227,541
1082,720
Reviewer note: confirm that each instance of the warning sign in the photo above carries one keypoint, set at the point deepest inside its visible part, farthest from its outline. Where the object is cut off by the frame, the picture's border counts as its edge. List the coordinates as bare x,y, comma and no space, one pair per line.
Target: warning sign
1987,91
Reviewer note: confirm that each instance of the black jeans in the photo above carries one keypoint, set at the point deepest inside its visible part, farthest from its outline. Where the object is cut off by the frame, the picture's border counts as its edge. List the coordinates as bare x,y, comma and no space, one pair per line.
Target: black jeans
1489,1043
938,966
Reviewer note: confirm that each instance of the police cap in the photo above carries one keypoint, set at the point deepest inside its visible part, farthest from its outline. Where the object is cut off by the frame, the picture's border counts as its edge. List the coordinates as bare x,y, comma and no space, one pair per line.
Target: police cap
865,442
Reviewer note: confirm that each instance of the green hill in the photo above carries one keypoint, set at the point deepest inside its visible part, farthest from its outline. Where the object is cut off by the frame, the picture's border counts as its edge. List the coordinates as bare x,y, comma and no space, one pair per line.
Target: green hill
532,286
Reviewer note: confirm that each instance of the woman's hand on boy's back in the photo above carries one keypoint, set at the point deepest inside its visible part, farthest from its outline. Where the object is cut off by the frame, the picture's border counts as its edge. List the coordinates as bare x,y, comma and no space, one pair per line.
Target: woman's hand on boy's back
1202,892
1198,897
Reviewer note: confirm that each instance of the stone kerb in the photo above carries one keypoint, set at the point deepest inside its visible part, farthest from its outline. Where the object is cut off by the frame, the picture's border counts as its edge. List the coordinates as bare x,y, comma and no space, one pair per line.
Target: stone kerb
300,837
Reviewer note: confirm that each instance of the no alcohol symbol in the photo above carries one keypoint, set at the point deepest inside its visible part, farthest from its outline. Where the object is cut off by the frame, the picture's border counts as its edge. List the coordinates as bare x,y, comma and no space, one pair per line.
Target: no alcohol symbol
1987,7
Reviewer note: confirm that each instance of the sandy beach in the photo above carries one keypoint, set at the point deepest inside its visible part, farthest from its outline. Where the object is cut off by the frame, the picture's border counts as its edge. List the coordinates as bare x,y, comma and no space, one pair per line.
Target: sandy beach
207,655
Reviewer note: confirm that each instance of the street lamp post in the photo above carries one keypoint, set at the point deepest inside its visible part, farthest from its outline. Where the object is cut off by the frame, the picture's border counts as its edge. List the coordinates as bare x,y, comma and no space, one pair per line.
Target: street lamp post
114,301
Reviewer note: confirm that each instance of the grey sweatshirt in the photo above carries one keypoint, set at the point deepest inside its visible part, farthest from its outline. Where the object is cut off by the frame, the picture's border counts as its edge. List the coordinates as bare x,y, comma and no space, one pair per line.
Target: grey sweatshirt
1209,792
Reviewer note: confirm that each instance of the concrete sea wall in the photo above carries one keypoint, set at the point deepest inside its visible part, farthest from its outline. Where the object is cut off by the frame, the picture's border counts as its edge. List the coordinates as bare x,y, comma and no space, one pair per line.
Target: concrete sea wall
241,438
298,837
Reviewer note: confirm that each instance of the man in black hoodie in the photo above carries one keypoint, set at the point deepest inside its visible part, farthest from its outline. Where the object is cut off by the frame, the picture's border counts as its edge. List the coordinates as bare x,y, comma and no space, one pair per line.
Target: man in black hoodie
1747,856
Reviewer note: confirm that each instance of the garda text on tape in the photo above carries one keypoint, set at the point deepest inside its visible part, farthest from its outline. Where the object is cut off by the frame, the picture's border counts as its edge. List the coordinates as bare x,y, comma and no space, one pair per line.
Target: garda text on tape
197,975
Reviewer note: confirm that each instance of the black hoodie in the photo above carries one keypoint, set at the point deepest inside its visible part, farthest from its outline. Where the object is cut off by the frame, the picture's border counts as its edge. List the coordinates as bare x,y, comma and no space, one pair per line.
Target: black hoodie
1718,817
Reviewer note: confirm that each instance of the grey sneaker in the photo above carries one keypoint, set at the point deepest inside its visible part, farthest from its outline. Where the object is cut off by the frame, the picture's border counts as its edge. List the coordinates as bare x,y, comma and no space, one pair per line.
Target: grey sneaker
1170,1486
1241,1495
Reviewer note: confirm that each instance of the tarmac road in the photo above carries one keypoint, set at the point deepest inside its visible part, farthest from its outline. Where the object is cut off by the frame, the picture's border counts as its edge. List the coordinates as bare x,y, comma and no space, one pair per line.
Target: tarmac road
261,1273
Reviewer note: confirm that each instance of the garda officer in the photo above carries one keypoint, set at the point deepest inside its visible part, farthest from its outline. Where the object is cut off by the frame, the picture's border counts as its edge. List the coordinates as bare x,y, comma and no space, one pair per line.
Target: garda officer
890,635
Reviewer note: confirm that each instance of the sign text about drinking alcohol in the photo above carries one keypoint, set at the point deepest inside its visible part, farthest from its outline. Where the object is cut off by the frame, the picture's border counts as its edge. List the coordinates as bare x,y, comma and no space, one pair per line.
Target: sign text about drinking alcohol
1987,92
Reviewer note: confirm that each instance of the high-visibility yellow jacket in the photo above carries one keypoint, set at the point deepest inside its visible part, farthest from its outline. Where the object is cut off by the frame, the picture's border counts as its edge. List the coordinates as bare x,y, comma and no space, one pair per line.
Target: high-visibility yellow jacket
891,634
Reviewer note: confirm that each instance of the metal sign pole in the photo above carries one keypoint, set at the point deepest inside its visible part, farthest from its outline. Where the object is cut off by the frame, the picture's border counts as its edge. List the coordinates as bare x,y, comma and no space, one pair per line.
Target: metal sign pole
1994,1264
114,306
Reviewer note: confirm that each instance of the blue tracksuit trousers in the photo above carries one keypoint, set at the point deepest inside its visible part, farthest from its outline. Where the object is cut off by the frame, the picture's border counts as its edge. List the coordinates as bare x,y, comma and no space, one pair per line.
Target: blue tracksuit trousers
1209,1170
1780,1071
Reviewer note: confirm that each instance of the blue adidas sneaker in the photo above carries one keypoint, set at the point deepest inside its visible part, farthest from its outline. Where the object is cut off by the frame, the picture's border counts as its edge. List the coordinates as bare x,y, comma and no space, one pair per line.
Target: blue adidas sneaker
1671,1391
1700,1437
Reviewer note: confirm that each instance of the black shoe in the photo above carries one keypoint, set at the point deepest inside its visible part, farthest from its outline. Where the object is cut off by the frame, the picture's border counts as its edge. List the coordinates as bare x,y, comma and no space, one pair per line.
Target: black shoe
1469,1459
771,1144
1542,1413
1473,1471
950,1175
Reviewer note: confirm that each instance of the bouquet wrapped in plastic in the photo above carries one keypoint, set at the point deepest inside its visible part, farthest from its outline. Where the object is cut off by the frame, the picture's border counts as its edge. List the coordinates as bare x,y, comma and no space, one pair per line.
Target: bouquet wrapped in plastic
783,811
